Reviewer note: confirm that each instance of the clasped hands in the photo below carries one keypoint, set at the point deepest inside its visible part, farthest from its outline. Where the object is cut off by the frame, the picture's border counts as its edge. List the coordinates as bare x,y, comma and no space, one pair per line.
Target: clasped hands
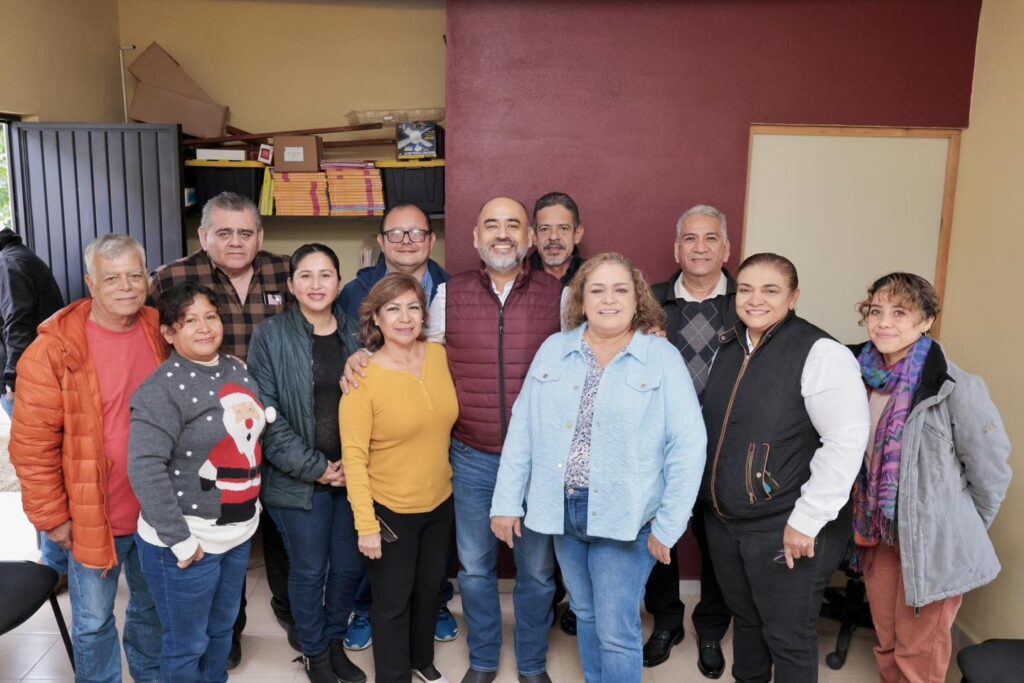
334,475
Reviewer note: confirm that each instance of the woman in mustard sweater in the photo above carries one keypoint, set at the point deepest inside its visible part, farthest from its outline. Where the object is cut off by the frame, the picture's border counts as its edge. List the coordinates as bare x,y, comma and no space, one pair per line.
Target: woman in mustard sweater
395,434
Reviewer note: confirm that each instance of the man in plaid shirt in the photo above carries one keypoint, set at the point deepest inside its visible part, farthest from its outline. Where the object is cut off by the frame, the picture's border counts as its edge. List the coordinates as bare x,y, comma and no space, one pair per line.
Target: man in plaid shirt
251,285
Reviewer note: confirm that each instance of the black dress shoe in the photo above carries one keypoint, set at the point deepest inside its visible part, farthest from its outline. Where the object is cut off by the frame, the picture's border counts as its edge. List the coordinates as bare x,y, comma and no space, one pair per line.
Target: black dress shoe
535,678
710,660
568,621
234,654
659,645
474,676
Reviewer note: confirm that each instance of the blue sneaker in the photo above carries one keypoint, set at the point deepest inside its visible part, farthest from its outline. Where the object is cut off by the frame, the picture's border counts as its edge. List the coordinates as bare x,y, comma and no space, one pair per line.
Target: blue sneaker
447,629
359,636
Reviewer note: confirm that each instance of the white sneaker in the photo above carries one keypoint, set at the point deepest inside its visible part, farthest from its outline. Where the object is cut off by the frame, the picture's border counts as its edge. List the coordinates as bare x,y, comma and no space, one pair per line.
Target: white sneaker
430,674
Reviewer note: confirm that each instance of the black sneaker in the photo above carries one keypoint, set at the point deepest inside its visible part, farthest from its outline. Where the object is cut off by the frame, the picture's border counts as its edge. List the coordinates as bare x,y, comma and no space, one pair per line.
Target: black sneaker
430,674
235,653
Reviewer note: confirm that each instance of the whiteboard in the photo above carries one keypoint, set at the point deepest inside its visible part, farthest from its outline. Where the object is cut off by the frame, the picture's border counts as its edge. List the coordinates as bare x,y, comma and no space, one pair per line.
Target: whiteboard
845,210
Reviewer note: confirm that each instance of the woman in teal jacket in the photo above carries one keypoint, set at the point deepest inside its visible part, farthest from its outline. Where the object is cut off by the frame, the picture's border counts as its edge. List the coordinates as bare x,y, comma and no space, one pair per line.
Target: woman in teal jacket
605,451
297,359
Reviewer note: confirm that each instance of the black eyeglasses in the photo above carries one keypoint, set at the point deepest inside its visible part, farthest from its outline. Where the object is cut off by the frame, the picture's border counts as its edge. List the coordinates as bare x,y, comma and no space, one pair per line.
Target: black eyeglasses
396,235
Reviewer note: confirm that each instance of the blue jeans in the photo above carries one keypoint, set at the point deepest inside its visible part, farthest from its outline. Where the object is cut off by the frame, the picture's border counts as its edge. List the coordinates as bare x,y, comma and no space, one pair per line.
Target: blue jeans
52,555
475,473
6,403
93,633
326,567
610,638
198,606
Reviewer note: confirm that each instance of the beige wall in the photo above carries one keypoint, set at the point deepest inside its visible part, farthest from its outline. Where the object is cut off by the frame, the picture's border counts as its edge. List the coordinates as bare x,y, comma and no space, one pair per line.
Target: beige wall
982,327
304,64
58,60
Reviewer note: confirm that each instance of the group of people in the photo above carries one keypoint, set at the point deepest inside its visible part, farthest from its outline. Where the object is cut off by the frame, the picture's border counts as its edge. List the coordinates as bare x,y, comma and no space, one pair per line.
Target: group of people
557,405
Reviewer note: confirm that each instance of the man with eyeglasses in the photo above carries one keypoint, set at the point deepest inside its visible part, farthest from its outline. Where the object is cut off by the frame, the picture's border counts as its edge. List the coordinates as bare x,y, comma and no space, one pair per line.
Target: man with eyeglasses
405,240
251,285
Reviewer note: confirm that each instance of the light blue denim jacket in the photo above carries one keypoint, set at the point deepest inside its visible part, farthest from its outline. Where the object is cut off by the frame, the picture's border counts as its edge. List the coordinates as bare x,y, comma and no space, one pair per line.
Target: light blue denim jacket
647,445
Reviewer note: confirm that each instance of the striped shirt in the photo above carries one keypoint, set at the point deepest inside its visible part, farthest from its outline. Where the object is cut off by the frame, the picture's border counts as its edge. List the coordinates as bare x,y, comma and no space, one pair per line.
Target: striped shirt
268,293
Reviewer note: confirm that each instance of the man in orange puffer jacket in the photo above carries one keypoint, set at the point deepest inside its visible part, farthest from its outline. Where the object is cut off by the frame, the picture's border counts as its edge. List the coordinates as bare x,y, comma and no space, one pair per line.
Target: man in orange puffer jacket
69,446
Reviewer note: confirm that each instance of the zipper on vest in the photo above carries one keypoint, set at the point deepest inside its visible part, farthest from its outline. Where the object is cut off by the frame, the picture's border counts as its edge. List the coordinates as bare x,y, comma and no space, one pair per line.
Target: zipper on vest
725,421
501,368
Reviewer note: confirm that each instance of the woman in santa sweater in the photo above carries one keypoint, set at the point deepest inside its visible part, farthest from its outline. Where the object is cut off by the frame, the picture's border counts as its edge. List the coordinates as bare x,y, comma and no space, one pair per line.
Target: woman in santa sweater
194,463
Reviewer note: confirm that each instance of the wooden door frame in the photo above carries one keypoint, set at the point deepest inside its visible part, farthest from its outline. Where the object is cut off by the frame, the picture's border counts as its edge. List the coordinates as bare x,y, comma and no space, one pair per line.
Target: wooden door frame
948,191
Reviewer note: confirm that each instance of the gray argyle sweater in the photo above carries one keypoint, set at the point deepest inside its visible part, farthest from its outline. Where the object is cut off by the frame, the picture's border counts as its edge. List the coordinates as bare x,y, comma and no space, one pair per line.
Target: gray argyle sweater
194,455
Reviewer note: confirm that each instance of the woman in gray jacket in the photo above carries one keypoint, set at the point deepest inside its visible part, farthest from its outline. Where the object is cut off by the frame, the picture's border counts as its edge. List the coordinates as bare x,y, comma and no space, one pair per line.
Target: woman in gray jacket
297,358
934,475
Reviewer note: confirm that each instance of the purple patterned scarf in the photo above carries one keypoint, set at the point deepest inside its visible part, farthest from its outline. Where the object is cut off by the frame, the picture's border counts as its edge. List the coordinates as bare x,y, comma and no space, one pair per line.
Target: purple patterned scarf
876,490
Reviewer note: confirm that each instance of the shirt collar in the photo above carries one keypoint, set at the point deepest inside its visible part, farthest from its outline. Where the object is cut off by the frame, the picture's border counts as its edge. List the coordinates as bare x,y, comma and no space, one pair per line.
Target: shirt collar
720,289
638,347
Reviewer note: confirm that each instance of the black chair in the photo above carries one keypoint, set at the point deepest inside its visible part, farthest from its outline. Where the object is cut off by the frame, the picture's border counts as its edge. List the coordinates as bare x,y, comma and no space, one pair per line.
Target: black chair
848,606
26,586
994,661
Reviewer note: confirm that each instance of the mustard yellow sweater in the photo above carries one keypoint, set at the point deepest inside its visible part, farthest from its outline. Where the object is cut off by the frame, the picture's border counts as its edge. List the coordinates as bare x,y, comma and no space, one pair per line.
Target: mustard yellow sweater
395,436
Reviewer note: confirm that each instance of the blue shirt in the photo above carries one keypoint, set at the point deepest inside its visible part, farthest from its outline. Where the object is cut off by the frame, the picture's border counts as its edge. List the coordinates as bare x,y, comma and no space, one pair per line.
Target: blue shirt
647,445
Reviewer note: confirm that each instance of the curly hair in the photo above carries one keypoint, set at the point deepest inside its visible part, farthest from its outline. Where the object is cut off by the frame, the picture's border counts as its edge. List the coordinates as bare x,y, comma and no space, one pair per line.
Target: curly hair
911,291
176,299
387,289
649,314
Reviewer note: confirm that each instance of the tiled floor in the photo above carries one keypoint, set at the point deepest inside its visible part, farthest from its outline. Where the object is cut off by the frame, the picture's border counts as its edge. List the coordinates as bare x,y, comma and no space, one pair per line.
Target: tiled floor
34,652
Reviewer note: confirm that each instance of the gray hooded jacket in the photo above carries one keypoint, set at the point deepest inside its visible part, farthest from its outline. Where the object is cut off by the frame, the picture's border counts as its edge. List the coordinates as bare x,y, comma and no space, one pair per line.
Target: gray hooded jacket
953,478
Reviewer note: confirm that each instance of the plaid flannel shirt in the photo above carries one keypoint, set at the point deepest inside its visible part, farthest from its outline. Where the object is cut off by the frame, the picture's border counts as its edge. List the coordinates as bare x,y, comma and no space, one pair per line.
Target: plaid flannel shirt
268,293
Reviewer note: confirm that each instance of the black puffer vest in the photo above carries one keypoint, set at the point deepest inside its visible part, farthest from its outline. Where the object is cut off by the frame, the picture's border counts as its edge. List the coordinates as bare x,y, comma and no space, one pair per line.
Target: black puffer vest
760,437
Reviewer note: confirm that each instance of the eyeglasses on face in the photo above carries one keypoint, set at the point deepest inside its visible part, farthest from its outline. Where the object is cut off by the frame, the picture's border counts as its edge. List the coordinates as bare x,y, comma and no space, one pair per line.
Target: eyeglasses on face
396,235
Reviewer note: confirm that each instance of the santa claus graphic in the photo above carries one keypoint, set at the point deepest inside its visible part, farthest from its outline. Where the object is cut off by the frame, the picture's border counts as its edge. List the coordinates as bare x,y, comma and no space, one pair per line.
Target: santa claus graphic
234,464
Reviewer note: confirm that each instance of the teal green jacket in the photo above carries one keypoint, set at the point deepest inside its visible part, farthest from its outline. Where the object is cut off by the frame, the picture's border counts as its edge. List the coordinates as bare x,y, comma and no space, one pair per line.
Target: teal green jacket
281,362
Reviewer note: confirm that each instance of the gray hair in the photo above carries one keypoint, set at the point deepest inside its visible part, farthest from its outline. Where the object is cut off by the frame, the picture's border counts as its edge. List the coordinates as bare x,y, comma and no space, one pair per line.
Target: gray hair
703,210
111,246
229,201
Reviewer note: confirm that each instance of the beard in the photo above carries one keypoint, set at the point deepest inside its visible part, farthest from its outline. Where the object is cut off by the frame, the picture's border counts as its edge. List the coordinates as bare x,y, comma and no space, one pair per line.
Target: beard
556,259
504,263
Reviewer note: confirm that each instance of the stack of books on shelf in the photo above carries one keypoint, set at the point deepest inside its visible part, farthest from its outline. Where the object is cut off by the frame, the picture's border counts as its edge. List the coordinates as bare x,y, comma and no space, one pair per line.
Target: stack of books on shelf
301,194
355,188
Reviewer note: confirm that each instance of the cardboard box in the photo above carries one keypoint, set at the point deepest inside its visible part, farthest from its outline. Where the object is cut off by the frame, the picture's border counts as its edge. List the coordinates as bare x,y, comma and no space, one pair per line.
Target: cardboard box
155,67
298,153
198,118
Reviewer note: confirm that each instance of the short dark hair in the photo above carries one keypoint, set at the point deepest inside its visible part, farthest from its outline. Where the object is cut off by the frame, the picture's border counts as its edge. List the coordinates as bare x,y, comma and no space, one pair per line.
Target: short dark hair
176,299
557,199
314,248
388,288
781,263
908,290
404,205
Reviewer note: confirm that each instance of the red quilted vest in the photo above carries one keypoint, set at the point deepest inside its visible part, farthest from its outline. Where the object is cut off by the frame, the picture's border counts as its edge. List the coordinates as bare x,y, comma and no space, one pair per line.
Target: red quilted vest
490,347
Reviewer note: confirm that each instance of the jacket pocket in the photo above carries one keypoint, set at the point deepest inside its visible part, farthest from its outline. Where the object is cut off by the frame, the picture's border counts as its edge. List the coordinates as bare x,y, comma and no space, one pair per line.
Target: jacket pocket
761,484
643,381
548,373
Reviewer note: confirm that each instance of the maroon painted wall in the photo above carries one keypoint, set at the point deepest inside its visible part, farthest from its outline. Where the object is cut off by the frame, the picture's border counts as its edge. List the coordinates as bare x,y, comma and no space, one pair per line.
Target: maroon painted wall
642,109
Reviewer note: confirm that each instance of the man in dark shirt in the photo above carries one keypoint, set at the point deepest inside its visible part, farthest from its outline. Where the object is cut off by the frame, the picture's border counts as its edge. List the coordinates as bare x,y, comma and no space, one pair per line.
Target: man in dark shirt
557,233
28,296
251,285
699,302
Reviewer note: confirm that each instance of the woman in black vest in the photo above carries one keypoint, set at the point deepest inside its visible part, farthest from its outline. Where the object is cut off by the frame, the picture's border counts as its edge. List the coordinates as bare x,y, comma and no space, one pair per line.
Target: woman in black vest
787,424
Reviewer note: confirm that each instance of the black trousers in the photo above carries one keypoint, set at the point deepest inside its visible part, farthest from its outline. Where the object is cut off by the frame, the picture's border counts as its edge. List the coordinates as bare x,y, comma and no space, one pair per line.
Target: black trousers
711,616
405,584
775,609
275,562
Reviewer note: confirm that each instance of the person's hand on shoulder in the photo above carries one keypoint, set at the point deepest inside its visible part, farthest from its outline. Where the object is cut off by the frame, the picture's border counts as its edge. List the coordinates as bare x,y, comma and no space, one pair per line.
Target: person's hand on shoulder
355,367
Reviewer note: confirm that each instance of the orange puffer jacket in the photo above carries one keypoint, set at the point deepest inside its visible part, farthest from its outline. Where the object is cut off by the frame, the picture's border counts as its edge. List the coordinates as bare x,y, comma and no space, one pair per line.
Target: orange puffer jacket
57,438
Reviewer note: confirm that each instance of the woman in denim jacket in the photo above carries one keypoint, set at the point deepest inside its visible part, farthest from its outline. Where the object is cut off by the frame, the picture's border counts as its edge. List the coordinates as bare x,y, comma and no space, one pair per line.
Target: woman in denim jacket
605,451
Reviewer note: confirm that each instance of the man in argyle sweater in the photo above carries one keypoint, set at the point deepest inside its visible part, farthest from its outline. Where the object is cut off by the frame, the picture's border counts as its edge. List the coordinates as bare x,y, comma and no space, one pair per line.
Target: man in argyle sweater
699,302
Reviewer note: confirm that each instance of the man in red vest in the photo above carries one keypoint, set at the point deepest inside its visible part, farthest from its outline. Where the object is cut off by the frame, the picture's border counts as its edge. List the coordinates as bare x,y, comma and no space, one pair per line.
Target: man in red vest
493,320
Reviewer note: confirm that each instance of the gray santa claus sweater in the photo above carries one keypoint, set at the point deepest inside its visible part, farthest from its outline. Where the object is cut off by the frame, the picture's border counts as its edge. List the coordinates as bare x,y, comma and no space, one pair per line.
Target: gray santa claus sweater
194,455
